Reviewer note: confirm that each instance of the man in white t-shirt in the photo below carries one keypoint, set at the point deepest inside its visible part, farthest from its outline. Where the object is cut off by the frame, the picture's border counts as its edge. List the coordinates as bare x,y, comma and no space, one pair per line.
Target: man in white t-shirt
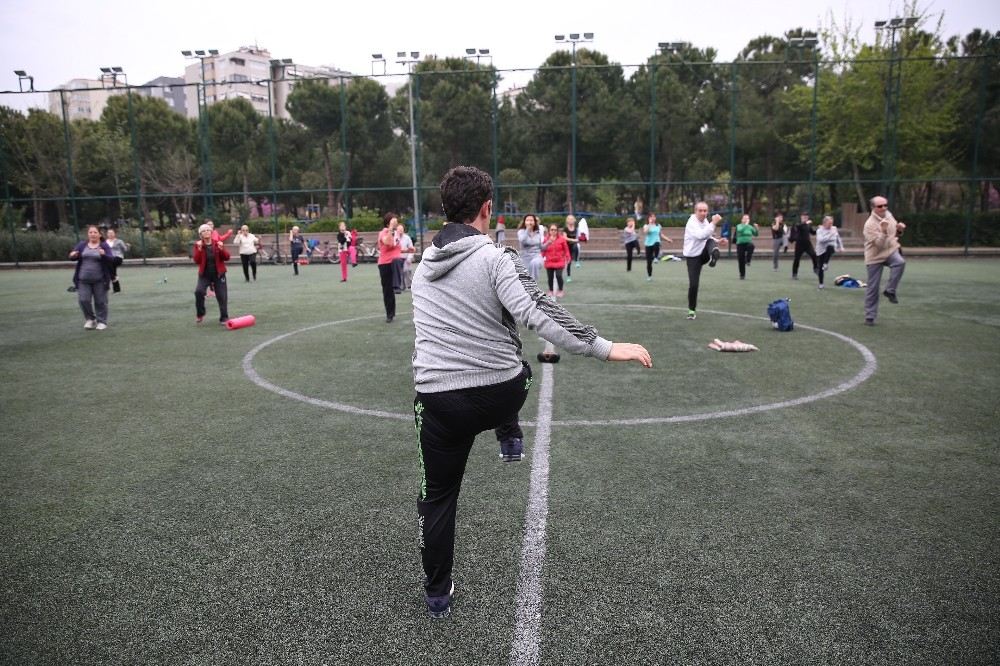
700,248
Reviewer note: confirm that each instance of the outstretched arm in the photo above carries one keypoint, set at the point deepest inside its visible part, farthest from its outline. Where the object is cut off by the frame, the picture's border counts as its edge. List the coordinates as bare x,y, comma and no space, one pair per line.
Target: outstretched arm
628,351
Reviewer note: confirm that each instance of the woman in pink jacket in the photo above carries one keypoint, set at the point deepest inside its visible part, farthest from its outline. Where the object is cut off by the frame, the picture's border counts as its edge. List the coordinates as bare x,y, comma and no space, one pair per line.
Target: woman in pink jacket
555,251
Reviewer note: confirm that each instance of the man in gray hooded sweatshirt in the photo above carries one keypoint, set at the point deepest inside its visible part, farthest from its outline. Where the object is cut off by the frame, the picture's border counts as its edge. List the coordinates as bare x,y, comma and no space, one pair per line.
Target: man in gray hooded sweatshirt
468,298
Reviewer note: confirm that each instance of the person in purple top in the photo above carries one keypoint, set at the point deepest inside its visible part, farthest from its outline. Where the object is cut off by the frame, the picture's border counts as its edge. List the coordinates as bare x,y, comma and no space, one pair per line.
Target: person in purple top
92,278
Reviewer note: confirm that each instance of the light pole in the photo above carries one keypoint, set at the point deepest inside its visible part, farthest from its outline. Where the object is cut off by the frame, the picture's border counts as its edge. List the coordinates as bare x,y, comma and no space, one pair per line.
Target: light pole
113,73
411,61
663,48
206,177
810,43
892,89
23,76
573,38
479,54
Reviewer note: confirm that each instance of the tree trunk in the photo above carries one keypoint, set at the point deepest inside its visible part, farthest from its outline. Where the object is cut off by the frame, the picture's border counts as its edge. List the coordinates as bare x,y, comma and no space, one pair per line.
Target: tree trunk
328,172
663,198
857,185
36,205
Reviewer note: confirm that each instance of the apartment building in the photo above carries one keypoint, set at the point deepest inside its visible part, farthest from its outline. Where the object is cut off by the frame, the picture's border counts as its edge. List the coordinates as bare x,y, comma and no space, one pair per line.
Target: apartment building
83,98
170,89
244,73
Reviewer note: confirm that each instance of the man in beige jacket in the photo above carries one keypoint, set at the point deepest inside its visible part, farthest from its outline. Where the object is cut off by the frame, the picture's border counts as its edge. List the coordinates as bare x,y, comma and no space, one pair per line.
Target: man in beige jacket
881,249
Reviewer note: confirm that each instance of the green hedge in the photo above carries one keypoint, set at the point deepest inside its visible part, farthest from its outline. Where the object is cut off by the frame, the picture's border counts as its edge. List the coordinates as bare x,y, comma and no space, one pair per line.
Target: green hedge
922,229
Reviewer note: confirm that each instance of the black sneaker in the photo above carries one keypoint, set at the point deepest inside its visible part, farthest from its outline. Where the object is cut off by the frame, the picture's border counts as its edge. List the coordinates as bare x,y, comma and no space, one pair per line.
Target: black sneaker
891,296
439,608
512,450
715,257
869,322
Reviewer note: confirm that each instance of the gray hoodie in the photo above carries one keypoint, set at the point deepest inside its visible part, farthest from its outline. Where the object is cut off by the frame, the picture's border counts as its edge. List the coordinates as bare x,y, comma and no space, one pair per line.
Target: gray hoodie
468,298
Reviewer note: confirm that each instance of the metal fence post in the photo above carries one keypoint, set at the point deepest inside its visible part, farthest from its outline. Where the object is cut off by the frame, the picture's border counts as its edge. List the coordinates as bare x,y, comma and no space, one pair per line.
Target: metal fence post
652,135
980,112
69,164
8,205
138,181
274,161
345,194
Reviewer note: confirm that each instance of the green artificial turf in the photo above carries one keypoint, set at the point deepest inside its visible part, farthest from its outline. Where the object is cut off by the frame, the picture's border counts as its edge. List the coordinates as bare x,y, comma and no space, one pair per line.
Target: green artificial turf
157,507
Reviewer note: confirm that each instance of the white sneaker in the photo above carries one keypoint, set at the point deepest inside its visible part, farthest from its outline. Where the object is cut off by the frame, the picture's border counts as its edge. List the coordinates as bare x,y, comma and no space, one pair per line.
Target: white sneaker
101,326
89,324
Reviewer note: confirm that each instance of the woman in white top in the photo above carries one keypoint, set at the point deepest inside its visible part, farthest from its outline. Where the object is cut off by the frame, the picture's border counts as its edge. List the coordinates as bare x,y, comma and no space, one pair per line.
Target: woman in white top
530,239
247,244
827,243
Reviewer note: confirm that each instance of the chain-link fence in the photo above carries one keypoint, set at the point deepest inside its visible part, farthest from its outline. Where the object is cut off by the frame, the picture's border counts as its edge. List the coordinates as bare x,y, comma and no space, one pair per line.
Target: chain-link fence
780,130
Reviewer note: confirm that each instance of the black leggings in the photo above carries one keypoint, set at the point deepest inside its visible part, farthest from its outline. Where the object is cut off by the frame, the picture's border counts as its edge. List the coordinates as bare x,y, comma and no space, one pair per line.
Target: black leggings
574,255
800,249
744,251
652,251
385,273
249,261
694,265
447,424
630,247
824,259
557,274
295,258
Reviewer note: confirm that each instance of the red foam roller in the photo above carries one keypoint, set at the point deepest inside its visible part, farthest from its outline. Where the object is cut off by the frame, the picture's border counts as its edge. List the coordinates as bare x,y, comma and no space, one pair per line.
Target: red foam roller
241,322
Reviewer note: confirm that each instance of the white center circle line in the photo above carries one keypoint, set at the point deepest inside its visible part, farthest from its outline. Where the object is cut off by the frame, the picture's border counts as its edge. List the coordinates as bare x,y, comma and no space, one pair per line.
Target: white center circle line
869,368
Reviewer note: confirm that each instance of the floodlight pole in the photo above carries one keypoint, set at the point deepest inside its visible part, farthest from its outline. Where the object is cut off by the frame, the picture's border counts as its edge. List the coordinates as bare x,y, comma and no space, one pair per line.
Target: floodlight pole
69,163
411,63
892,90
479,54
207,196
573,38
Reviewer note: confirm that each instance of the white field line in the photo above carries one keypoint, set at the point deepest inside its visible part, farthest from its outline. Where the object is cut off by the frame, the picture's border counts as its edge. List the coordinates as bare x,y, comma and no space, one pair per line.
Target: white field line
252,374
528,600
869,368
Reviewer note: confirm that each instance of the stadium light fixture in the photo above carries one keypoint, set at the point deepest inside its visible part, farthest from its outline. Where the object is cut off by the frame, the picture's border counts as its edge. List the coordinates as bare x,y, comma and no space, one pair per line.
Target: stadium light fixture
23,76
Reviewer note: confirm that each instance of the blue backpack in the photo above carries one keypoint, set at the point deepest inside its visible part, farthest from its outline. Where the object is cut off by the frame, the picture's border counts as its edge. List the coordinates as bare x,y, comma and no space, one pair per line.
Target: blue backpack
781,316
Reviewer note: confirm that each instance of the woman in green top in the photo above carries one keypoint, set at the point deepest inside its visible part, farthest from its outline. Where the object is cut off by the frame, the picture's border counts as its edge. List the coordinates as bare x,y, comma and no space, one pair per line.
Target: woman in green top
744,243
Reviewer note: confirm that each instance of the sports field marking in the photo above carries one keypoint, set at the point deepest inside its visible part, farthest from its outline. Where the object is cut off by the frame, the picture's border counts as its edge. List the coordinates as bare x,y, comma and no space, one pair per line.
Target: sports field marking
252,374
871,364
528,599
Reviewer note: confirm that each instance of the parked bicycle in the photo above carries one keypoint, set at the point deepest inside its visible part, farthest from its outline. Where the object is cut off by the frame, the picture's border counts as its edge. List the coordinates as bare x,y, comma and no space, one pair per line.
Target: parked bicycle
268,254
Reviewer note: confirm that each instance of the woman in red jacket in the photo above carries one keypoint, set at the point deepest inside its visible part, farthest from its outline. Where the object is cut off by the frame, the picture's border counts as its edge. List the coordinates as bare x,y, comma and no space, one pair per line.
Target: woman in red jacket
211,257
555,251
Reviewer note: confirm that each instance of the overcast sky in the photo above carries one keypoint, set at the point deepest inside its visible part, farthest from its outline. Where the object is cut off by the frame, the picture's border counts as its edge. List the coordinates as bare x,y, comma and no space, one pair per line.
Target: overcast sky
58,40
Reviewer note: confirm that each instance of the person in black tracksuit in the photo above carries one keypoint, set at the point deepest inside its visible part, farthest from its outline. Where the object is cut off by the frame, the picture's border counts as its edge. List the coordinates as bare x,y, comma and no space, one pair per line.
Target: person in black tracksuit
803,244
297,244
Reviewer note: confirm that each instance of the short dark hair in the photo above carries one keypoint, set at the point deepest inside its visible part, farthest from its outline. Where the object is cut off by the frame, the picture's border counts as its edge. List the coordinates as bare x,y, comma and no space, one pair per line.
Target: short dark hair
464,190
387,218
